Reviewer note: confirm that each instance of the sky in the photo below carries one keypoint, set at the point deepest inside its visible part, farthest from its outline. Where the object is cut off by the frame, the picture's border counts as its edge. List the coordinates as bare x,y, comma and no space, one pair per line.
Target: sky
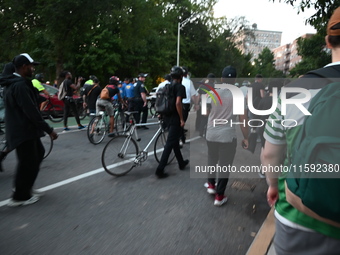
268,16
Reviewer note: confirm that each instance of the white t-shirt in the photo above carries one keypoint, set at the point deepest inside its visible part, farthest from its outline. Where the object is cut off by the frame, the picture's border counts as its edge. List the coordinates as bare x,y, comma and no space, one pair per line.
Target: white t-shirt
189,90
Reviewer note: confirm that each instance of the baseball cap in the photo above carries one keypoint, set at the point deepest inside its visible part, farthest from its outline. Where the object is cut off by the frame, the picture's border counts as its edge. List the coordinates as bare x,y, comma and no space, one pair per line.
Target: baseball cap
229,72
142,75
335,19
24,59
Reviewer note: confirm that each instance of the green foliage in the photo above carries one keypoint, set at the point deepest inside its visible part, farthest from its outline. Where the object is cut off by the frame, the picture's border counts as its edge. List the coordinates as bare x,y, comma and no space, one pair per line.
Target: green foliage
264,64
313,53
120,37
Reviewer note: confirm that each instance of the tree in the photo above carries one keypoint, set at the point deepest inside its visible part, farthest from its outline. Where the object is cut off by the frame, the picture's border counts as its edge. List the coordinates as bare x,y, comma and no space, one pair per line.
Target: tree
324,10
264,64
313,53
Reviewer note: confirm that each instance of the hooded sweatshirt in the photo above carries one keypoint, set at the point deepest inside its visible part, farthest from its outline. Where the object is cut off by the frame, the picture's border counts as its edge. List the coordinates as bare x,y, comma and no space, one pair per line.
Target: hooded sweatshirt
22,116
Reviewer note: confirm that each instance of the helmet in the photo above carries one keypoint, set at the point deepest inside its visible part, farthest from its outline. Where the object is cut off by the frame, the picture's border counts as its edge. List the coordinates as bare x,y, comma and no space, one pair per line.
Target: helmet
39,77
114,80
92,77
176,72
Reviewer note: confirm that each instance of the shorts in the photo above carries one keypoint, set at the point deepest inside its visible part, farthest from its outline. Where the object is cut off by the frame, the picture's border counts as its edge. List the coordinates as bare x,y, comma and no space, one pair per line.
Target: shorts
102,103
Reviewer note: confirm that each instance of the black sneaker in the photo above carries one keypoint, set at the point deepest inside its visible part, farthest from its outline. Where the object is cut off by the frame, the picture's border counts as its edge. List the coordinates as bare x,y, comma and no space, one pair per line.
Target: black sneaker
162,175
111,134
184,164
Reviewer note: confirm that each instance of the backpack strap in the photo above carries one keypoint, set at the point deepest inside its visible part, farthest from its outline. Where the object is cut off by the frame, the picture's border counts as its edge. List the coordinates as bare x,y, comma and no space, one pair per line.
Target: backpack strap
91,90
329,73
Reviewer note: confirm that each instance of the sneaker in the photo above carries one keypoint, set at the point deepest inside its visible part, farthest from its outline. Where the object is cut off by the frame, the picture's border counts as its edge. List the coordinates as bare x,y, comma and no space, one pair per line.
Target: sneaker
220,200
185,163
66,129
37,193
111,134
162,175
81,127
210,188
15,203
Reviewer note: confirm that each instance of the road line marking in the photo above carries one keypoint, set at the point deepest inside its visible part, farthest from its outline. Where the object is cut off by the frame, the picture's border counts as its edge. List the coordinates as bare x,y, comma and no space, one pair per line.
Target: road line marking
84,175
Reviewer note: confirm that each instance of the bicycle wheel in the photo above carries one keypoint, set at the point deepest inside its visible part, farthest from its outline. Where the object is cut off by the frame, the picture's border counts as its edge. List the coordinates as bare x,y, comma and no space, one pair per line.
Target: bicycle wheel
119,154
47,142
119,122
82,112
159,147
96,130
56,113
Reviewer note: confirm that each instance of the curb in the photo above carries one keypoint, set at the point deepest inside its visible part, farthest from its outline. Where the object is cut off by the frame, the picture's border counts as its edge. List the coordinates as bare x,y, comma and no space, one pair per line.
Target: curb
263,240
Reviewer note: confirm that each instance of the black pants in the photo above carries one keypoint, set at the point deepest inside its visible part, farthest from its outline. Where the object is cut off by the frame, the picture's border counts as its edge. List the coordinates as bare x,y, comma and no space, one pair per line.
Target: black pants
30,154
68,106
222,154
172,143
138,104
186,110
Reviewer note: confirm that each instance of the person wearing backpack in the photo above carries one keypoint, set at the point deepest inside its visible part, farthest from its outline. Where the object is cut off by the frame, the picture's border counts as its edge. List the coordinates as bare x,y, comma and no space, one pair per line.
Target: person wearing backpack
90,96
307,204
174,121
105,101
69,103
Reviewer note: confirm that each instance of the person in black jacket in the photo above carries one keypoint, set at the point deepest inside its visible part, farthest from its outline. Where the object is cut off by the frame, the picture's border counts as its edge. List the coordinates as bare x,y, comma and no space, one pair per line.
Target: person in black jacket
24,127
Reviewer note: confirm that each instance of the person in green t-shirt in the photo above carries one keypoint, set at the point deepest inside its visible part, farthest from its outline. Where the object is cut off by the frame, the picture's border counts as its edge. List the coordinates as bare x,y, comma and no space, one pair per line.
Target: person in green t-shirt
300,231
37,83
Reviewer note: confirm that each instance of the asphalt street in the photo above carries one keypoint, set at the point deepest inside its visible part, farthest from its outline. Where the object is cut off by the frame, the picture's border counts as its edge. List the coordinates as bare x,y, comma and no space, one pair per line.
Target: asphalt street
87,211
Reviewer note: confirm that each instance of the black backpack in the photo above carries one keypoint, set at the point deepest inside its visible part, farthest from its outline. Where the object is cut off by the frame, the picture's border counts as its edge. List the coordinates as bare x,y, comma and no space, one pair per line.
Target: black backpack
165,100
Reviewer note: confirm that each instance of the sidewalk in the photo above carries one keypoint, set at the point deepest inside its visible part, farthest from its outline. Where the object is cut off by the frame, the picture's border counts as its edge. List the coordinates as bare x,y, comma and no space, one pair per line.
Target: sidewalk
262,244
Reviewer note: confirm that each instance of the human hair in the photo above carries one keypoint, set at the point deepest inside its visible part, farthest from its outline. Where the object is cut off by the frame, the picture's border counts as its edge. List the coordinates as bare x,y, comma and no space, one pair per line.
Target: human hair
334,40
63,74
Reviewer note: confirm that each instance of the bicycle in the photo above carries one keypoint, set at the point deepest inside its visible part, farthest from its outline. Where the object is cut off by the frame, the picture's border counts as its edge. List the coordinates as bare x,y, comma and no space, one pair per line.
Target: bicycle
54,112
152,108
46,141
99,126
124,149
82,112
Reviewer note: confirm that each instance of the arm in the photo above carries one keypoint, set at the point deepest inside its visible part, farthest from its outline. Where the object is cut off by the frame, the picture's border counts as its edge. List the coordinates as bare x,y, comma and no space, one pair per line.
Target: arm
179,109
272,155
143,95
244,129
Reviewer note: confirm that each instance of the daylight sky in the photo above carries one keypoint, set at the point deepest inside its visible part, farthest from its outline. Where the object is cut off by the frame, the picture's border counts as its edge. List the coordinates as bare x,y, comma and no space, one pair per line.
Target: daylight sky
268,16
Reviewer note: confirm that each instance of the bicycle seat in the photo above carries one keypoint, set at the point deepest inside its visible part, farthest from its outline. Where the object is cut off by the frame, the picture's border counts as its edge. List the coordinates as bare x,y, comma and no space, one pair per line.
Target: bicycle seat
129,113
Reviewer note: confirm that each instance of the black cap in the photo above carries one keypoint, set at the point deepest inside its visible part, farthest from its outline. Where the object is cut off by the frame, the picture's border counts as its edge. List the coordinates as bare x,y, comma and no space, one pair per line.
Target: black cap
229,72
142,75
24,59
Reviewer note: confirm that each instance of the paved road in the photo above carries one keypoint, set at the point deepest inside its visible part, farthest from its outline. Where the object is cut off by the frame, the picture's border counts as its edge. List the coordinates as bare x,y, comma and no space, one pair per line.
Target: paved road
87,211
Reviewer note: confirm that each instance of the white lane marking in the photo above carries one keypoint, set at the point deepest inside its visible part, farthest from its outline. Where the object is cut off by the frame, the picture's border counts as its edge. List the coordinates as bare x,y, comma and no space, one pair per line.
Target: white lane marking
85,175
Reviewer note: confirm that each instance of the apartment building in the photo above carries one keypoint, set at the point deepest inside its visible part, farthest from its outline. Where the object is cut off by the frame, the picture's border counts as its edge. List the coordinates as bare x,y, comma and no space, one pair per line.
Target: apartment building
254,41
286,56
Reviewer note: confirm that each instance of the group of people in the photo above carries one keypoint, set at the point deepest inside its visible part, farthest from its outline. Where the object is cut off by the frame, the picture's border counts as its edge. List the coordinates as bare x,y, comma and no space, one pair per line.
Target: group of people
299,229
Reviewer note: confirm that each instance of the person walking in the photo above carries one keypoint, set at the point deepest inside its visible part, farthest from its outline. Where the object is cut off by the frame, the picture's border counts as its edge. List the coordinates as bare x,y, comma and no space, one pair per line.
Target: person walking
301,225
24,127
221,139
69,102
175,123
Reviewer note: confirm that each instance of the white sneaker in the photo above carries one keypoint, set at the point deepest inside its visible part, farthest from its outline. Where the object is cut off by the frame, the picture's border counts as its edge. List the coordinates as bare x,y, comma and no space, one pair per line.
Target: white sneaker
15,203
36,192
210,188
220,200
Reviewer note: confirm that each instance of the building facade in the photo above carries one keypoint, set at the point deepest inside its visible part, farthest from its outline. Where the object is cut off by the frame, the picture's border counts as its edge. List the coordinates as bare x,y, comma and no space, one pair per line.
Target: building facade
254,41
286,56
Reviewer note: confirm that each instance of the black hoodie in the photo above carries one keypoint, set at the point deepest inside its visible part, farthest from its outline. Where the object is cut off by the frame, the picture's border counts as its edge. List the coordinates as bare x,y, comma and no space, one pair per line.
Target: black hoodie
22,115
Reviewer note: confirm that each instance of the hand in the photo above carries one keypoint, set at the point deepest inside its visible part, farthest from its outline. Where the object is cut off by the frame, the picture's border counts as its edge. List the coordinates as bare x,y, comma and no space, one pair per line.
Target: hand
272,195
53,135
145,103
197,107
182,123
245,143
